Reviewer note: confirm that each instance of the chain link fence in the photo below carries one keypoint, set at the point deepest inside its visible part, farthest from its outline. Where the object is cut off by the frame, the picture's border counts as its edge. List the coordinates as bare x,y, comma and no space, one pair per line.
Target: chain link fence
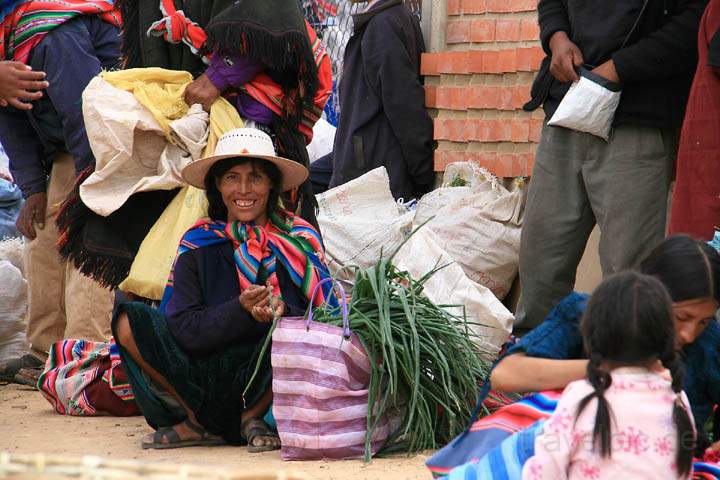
332,20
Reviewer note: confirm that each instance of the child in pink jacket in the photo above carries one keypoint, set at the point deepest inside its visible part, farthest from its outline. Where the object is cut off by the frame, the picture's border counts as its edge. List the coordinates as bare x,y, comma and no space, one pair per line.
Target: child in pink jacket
630,418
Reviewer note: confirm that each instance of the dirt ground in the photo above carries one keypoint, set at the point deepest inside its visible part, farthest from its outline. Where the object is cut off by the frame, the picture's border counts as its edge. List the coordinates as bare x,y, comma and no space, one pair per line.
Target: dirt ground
29,425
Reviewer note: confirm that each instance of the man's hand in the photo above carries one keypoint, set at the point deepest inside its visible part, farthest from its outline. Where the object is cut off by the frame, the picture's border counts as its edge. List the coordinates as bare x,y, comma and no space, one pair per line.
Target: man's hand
565,57
19,85
202,91
5,176
31,213
607,70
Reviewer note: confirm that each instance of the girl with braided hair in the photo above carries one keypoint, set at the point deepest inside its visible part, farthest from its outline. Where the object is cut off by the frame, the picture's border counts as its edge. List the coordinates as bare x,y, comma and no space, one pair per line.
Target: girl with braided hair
630,415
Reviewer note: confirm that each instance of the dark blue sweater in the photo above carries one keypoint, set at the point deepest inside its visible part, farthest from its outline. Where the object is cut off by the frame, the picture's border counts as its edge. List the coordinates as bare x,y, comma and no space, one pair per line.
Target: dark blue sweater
558,337
204,313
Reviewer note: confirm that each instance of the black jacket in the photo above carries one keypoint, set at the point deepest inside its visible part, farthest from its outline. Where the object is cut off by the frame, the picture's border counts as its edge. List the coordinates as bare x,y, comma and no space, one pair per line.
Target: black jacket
656,65
383,121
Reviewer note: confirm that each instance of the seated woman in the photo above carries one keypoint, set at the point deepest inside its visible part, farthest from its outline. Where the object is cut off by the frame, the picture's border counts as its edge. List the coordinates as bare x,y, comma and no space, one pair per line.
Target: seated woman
191,363
551,356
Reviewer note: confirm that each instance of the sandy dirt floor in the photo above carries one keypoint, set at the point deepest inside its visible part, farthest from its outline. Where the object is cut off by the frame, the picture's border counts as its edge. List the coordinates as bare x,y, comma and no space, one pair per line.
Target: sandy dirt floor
29,425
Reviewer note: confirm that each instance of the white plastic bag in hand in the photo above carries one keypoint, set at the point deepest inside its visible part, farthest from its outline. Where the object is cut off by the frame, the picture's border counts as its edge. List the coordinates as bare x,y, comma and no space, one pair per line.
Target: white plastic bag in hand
589,105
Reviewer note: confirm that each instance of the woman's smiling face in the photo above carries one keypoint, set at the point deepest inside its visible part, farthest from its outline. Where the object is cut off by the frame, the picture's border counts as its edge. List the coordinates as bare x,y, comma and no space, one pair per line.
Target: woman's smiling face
245,190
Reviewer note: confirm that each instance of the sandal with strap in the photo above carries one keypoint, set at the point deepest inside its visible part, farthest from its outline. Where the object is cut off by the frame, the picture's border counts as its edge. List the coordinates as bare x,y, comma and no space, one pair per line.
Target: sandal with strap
256,427
167,437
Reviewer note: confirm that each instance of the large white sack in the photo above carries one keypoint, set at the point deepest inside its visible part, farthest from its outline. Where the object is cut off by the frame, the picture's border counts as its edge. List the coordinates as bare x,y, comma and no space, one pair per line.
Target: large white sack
450,285
11,249
323,140
359,220
478,226
4,162
13,308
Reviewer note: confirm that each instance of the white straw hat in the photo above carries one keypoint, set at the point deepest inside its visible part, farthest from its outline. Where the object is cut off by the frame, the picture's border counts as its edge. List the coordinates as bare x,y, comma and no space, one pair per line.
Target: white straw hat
246,142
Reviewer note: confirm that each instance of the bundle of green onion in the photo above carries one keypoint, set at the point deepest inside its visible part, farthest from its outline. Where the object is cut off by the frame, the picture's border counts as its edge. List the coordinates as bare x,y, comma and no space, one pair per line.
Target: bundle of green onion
423,358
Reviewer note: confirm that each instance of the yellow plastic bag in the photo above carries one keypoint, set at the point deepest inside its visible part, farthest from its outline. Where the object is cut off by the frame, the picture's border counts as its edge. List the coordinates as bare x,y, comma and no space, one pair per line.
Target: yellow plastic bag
152,265
154,260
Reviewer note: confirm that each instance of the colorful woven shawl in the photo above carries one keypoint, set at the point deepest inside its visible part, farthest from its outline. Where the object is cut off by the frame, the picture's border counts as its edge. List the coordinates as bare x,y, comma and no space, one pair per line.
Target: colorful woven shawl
24,23
175,27
86,378
289,239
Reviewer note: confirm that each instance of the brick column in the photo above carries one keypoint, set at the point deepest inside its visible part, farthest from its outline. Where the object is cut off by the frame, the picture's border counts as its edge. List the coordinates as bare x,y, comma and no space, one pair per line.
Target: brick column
476,87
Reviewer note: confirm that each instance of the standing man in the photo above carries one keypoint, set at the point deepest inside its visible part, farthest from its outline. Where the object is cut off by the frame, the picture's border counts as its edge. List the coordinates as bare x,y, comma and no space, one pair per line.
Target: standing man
71,41
579,180
383,121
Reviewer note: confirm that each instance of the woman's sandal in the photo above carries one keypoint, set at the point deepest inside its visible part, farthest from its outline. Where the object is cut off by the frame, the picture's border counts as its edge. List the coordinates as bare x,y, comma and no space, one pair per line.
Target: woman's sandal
166,438
256,427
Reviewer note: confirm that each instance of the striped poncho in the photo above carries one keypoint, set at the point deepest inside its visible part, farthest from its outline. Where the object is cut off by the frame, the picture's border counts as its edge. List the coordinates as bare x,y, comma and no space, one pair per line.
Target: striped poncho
24,23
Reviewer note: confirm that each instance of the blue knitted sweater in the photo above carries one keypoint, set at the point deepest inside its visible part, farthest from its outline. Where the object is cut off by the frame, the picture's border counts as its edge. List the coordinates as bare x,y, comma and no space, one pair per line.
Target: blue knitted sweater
558,337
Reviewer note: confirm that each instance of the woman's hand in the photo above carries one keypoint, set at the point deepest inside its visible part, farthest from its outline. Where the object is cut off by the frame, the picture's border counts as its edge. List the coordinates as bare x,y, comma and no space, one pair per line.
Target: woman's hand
202,91
265,314
254,295
255,299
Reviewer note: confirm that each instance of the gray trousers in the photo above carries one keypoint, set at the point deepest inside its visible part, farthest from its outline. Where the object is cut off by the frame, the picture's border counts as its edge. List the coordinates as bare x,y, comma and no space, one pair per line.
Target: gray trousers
579,180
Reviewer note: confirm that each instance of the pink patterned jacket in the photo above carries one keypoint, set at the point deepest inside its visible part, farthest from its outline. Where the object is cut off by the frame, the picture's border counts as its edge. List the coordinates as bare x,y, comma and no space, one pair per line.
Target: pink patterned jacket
643,433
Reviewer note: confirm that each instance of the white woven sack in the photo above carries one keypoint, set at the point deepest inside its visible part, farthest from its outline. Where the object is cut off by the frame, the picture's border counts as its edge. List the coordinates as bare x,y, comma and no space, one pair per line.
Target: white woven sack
13,308
450,286
359,220
479,227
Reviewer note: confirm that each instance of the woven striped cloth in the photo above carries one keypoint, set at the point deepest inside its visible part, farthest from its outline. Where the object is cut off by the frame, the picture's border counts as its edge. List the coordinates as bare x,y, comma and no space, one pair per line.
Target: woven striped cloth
497,446
24,23
287,239
487,433
84,378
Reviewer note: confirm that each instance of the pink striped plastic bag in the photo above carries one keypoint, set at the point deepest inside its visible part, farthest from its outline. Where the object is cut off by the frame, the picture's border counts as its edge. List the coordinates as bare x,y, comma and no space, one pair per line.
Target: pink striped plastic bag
320,384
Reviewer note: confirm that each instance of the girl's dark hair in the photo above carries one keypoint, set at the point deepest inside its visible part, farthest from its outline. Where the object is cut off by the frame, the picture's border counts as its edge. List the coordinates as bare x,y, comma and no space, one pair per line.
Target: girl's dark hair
629,321
689,268
216,207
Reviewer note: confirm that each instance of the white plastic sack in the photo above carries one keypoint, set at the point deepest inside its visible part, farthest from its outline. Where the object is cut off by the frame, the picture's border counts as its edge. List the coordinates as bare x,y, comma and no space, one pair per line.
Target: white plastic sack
4,162
450,285
479,227
11,249
359,220
589,105
13,308
323,140
131,151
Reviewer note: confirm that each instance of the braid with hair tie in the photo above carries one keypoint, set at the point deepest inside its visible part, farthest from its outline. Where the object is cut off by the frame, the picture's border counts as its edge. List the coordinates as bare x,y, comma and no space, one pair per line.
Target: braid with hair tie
600,380
686,439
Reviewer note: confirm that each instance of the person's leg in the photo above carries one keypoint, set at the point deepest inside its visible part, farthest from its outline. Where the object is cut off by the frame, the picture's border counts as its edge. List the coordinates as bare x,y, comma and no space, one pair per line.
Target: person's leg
69,57
556,226
45,269
184,431
255,430
628,179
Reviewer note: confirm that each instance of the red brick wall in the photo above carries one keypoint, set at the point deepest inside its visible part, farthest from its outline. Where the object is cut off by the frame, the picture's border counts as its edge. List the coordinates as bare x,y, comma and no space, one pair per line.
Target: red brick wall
476,87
